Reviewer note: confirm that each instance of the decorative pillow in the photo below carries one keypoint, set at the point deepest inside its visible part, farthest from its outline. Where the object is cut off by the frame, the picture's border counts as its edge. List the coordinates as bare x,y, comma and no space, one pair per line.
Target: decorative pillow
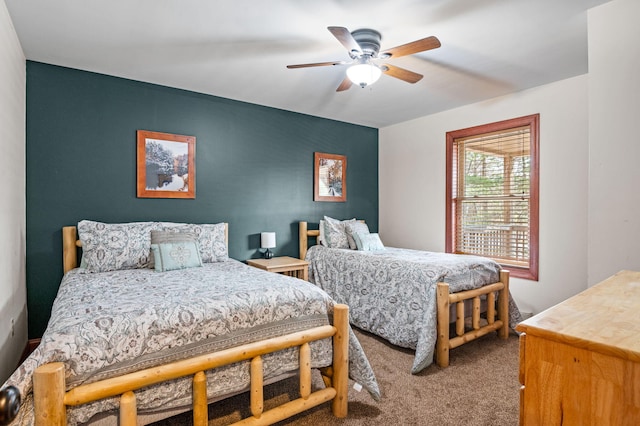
115,246
177,255
353,228
211,239
335,233
368,242
321,239
161,237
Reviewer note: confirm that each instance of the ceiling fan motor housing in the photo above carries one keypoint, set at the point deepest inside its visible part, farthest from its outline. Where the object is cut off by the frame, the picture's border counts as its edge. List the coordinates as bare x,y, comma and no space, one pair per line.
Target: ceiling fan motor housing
369,41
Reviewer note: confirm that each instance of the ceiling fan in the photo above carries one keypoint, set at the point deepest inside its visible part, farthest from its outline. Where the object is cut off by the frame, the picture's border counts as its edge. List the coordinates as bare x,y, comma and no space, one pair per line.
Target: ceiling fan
363,46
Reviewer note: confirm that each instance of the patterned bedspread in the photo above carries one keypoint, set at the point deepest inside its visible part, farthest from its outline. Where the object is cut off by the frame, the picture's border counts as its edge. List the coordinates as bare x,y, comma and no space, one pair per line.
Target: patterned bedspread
109,323
392,292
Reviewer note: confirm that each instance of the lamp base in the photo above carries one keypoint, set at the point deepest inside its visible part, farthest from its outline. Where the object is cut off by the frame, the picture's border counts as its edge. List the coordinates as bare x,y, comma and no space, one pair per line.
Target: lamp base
268,254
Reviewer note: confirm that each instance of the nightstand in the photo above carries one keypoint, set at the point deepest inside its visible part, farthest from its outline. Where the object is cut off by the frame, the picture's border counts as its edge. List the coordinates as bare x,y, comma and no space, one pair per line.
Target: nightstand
285,265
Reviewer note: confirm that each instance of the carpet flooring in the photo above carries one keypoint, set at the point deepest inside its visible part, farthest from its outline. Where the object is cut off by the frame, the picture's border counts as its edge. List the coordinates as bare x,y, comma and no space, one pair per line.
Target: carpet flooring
480,387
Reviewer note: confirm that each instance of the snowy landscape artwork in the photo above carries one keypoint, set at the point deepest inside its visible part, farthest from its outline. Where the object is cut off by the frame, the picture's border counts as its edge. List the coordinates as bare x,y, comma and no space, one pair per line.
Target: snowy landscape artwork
330,172
166,166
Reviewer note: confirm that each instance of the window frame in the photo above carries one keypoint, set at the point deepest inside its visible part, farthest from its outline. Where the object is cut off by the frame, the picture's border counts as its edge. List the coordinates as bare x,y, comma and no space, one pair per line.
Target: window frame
533,122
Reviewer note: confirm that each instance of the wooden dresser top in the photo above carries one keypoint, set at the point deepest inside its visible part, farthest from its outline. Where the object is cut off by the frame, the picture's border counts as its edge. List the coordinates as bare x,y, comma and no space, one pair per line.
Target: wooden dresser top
604,318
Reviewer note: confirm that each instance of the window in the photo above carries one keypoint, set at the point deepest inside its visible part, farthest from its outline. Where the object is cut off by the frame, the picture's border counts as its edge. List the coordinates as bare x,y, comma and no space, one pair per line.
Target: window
492,193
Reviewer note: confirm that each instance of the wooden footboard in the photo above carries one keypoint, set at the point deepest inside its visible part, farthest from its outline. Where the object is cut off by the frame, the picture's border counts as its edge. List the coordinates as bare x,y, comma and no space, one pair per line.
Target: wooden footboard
51,400
499,322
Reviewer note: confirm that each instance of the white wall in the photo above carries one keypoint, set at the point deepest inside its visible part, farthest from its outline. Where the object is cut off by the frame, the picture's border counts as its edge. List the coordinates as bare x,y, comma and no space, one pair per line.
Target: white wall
412,183
13,299
614,139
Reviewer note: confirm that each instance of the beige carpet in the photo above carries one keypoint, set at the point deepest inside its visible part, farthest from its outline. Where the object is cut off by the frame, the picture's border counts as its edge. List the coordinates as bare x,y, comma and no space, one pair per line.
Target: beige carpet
480,387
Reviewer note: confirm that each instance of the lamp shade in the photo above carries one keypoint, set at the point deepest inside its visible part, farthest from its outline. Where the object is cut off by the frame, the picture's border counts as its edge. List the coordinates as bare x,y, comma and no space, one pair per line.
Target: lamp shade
267,240
363,74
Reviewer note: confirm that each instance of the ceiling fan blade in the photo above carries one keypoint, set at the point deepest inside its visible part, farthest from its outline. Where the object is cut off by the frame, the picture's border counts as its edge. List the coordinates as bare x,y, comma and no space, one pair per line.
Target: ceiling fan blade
401,73
411,48
344,36
316,64
345,85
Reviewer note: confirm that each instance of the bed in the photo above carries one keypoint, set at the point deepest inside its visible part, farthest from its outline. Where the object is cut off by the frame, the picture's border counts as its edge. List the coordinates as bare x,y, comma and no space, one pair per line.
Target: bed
429,302
133,345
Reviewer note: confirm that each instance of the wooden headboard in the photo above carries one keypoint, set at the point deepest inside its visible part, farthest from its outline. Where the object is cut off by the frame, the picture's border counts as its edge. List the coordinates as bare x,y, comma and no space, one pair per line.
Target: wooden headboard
71,243
303,234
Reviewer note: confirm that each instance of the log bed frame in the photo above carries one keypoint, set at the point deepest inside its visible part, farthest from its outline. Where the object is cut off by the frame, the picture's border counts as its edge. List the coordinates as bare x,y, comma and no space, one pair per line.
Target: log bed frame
51,399
451,308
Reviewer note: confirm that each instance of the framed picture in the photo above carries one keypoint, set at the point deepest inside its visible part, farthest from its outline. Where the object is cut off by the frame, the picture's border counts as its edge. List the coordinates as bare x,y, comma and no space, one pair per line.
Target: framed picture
166,165
329,177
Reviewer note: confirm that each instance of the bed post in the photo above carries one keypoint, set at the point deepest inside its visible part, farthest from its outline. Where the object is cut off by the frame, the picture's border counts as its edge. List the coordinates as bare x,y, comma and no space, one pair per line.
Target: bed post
226,235
302,236
339,405
503,305
442,341
10,401
69,248
48,395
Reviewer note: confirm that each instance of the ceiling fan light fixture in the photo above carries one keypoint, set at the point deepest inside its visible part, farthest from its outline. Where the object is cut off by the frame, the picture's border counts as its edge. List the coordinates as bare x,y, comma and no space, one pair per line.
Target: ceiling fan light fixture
363,74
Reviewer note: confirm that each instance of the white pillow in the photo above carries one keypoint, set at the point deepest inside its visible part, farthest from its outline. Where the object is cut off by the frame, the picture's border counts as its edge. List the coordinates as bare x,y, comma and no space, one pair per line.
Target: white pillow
163,237
368,242
176,255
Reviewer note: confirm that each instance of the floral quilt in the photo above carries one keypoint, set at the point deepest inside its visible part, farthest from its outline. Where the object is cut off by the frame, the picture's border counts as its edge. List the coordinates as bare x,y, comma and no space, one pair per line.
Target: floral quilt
392,292
110,323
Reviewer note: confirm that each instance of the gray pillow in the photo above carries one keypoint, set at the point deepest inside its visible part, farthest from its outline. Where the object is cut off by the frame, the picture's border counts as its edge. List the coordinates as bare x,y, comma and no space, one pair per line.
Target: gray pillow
211,239
159,237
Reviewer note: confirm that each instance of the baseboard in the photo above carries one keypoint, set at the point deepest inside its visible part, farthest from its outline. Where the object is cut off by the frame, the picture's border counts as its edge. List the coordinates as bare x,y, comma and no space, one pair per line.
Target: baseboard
31,346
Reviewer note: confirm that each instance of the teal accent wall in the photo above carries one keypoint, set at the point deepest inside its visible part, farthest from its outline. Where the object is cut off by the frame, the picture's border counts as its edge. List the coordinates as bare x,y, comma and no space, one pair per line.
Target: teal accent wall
254,167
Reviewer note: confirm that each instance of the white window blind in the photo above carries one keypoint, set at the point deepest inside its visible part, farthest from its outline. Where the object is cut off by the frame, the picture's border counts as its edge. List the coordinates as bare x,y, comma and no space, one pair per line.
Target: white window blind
491,195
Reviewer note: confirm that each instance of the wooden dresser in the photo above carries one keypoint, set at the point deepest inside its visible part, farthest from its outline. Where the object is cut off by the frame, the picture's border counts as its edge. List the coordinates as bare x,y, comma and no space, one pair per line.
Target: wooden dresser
580,360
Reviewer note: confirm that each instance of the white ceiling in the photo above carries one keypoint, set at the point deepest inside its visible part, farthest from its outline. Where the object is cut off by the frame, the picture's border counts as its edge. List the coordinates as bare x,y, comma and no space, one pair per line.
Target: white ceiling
239,49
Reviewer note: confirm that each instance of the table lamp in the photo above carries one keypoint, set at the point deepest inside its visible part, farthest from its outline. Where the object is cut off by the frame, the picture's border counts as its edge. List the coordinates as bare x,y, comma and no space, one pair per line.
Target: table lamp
268,241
